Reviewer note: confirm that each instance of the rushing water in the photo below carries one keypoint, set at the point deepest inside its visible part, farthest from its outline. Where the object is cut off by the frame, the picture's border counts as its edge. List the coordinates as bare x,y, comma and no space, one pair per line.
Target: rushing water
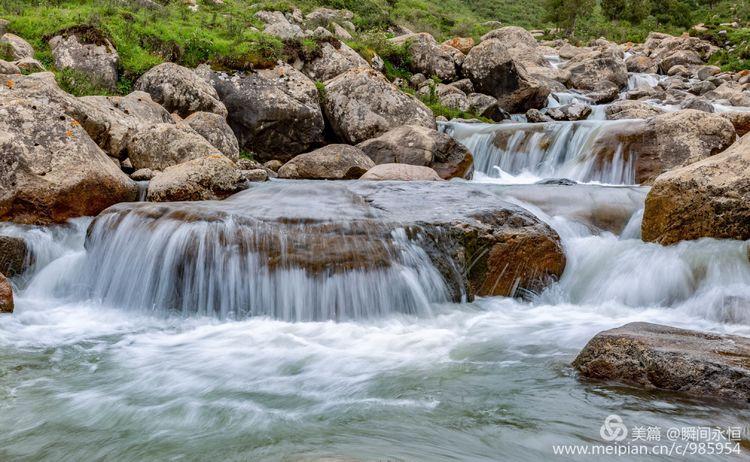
82,378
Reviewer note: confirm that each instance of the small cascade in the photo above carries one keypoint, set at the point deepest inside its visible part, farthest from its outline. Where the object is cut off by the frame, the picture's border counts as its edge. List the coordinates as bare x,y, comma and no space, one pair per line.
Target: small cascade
526,153
232,260
142,190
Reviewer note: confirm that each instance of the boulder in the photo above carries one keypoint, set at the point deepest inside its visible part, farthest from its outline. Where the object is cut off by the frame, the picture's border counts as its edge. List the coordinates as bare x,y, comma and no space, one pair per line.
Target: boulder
275,113
13,47
641,64
180,90
144,174
164,145
573,111
428,57
683,58
278,25
631,110
332,162
401,172
50,169
662,357
6,295
661,46
97,61
710,198
740,121
14,255
335,58
420,146
361,104
462,44
493,71
9,68
111,121
477,242
589,70
666,141
452,97
536,116
486,106
29,65
215,129
207,178
511,36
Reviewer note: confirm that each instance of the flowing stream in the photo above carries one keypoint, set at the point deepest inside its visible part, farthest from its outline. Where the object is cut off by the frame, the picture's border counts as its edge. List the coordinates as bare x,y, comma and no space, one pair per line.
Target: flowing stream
159,339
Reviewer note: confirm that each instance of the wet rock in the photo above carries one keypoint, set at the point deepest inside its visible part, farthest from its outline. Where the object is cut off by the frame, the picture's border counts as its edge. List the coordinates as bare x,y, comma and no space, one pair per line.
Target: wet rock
493,71
631,110
334,59
486,106
667,141
420,146
255,175
401,172
215,130
427,56
710,198
180,90
361,104
573,111
6,295
14,47
144,174
332,162
50,169
275,113
273,165
587,71
164,145
480,244
698,104
536,116
655,356
208,178
14,255
558,182
604,92
97,61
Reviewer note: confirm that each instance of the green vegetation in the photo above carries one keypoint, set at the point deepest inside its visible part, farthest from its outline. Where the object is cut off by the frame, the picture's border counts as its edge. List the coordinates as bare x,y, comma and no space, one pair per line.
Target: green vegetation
228,36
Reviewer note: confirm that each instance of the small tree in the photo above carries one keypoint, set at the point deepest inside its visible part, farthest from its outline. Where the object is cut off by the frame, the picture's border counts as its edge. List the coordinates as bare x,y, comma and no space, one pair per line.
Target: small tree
567,13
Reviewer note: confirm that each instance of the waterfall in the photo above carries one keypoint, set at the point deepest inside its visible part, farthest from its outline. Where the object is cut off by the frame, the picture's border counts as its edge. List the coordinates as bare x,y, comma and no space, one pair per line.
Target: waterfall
523,152
228,259
641,80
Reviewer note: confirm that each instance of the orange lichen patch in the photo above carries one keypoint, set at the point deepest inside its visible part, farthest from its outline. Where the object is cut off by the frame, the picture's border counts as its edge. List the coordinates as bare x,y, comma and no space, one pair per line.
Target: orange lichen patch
10,84
75,123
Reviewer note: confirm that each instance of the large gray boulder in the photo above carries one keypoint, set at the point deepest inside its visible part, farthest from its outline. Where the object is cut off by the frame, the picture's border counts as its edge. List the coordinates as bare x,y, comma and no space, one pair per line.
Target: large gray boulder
428,56
207,178
164,145
332,162
361,104
15,256
97,61
180,90
215,129
710,198
494,71
50,169
275,113
686,361
588,70
421,146
111,121
335,58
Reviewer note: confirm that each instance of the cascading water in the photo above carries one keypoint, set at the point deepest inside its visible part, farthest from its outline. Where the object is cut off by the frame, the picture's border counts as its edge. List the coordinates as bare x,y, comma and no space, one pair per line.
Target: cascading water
527,153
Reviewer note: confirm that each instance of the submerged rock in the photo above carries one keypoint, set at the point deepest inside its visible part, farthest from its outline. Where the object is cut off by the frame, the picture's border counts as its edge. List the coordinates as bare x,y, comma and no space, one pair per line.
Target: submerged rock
6,295
663,357
710,198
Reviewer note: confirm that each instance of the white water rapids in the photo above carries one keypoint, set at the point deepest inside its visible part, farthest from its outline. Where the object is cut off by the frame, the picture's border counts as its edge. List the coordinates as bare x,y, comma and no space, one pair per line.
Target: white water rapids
85,380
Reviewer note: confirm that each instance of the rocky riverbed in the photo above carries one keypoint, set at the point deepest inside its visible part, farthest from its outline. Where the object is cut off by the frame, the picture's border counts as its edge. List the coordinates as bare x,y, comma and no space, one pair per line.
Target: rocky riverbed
302,260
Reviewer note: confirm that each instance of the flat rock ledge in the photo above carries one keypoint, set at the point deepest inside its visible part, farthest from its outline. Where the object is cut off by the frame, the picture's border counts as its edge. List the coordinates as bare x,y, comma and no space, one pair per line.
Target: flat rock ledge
655,356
